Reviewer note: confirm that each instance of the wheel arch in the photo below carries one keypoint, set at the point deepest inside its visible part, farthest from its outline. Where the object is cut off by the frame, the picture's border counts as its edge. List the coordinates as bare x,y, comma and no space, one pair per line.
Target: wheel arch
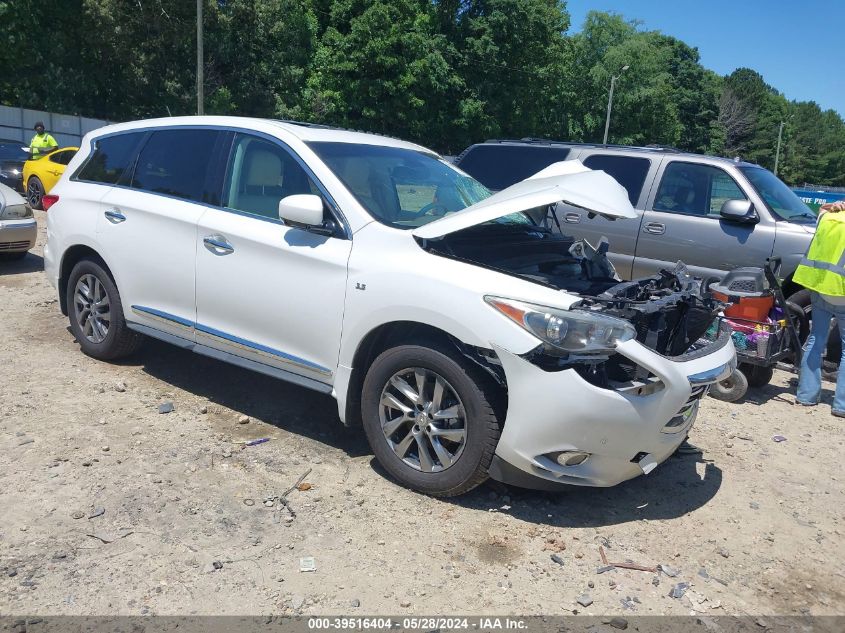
72,256
396,333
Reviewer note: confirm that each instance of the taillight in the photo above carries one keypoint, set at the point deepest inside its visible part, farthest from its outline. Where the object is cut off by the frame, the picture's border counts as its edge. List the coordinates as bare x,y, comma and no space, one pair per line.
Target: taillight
48,200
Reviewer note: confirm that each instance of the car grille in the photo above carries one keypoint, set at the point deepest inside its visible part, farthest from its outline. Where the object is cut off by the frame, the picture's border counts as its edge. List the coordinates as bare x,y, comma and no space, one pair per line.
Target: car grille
13,246
682,417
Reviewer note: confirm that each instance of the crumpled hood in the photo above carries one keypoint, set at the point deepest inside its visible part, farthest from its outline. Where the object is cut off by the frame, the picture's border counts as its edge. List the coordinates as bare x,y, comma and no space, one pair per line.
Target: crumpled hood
566,181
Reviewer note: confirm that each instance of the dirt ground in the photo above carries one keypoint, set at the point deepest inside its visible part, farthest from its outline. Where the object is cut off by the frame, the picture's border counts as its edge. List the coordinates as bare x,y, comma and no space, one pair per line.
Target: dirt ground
109,507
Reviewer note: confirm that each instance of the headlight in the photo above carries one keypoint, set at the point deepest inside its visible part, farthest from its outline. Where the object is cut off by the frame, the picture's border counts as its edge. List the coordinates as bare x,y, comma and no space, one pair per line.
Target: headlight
573,331
16,212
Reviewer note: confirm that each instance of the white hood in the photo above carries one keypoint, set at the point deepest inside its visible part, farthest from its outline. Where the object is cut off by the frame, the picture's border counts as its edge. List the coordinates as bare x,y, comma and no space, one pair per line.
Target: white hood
567,181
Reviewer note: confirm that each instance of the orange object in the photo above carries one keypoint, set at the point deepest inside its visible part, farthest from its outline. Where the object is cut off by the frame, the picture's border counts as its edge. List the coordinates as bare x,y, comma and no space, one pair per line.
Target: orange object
749,308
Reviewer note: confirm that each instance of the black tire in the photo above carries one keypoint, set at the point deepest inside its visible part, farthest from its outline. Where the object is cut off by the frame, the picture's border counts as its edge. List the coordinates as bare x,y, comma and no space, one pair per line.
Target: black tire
482,425
730,389
757,375
119,340
35,192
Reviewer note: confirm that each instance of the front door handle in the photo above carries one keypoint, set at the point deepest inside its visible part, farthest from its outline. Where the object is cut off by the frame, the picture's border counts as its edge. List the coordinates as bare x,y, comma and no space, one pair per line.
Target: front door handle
114,216
572,218
655,228
218,245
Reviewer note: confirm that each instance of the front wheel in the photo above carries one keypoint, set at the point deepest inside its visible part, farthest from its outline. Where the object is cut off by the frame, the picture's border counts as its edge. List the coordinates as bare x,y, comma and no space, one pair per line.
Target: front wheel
732,388
430,419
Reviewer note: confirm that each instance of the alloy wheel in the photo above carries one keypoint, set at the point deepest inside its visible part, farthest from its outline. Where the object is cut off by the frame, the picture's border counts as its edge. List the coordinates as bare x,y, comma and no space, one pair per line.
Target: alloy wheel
91,308
34,193
423,419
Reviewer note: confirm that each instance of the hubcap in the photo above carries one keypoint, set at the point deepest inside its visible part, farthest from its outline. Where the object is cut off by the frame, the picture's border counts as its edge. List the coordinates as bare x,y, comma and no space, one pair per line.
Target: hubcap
91,308
423,419
33,195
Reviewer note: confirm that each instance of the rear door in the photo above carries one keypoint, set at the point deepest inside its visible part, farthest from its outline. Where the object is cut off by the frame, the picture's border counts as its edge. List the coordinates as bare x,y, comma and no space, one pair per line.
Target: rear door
55,167
682,223
635,174
269,293
148,227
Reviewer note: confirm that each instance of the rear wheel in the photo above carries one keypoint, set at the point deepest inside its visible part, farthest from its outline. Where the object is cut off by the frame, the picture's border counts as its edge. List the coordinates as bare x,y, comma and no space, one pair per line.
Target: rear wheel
96,313
430,419
758,376
34,192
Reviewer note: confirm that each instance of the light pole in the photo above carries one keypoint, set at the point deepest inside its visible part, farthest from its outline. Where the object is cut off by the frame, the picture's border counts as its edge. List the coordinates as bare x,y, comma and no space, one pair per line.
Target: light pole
613,79
200,82
777,155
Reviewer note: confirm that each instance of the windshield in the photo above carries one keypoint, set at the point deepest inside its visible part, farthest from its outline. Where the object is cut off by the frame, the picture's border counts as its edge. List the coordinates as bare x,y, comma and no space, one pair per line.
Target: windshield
399,187
780,199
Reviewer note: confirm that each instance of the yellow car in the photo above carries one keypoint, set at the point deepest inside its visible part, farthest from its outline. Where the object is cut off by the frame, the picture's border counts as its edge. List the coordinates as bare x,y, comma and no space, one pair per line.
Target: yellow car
41,174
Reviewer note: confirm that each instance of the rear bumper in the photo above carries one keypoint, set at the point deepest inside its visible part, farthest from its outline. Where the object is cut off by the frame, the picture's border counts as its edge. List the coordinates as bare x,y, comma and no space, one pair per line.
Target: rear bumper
553,412
17,235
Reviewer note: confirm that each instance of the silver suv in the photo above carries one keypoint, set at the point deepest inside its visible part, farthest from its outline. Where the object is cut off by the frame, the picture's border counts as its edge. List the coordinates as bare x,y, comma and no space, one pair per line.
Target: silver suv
713,213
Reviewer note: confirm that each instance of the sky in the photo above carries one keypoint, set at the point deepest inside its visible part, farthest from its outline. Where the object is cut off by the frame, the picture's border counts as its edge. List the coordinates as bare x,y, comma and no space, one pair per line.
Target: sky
798,46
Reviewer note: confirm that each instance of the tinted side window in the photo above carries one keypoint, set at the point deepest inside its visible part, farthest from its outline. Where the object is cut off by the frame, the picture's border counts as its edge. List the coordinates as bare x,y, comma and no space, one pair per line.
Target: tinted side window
62,158
260,174
499,166
628,171
111,157
175,163
695,189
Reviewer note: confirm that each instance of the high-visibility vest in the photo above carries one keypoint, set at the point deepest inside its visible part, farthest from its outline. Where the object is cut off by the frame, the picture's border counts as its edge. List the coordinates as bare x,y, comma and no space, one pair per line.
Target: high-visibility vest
823,267
42,144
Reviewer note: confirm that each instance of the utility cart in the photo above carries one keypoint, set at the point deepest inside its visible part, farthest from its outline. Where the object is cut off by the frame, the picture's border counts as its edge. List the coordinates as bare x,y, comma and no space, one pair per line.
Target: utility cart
764,328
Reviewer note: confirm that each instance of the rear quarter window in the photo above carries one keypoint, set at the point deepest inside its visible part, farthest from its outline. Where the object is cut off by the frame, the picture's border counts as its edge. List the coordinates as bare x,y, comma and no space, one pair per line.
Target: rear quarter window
499,166
111,158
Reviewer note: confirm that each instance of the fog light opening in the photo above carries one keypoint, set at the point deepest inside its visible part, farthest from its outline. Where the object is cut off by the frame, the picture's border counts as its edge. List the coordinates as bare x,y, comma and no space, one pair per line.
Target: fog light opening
572,458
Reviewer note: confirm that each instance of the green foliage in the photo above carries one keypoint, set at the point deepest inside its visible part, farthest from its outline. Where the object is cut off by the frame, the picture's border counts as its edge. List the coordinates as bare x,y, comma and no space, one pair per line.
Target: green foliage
444,73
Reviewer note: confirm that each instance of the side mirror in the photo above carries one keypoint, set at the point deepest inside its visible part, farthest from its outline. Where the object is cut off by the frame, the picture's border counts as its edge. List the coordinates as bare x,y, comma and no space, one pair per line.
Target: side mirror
302,209
739,212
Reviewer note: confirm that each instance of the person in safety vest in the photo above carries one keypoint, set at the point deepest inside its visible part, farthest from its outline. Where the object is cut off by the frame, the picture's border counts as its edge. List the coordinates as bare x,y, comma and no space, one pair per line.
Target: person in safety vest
42,143
822,271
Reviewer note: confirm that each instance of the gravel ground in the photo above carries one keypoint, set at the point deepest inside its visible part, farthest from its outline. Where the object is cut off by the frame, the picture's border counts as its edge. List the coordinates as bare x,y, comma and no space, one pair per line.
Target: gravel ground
110,507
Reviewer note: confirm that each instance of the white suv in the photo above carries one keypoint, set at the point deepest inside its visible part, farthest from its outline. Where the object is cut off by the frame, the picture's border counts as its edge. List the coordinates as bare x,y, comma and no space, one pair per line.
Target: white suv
466,336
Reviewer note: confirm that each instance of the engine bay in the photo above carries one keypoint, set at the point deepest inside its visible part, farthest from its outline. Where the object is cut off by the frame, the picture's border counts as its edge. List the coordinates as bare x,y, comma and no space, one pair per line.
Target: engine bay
671,311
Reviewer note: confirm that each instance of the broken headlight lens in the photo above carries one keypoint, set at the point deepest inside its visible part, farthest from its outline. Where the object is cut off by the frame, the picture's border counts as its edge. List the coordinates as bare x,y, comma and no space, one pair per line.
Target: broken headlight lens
572,331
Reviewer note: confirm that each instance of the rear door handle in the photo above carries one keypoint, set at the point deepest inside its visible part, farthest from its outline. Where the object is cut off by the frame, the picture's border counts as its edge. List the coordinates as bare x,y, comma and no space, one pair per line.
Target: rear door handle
655,228
572,218
114,216
218,245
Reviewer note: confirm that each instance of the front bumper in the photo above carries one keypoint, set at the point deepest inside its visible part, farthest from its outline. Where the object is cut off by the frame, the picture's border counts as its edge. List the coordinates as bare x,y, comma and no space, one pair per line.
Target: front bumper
557,411
17,235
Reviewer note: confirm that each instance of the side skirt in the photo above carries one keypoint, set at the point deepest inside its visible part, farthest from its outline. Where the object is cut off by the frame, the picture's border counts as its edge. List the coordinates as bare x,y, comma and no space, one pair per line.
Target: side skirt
233,359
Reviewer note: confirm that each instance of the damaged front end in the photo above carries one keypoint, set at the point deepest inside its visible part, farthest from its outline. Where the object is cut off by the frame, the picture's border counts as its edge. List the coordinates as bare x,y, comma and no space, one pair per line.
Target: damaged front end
669,313
672,313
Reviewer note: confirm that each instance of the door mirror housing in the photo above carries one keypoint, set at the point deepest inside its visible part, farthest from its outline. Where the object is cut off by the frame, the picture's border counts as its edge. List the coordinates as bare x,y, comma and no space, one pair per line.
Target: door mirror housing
739,212
304,210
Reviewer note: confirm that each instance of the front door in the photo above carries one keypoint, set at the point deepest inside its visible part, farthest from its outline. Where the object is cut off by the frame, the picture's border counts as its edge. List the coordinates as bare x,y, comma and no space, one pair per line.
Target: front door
682,223
266,292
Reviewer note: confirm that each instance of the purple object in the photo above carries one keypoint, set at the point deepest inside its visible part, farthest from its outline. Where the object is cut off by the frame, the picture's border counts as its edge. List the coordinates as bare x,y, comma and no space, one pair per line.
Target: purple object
266,439
778,438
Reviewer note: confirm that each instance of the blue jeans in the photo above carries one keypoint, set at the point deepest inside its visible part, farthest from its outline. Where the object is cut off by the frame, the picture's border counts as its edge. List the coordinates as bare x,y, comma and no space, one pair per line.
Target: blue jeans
810,380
